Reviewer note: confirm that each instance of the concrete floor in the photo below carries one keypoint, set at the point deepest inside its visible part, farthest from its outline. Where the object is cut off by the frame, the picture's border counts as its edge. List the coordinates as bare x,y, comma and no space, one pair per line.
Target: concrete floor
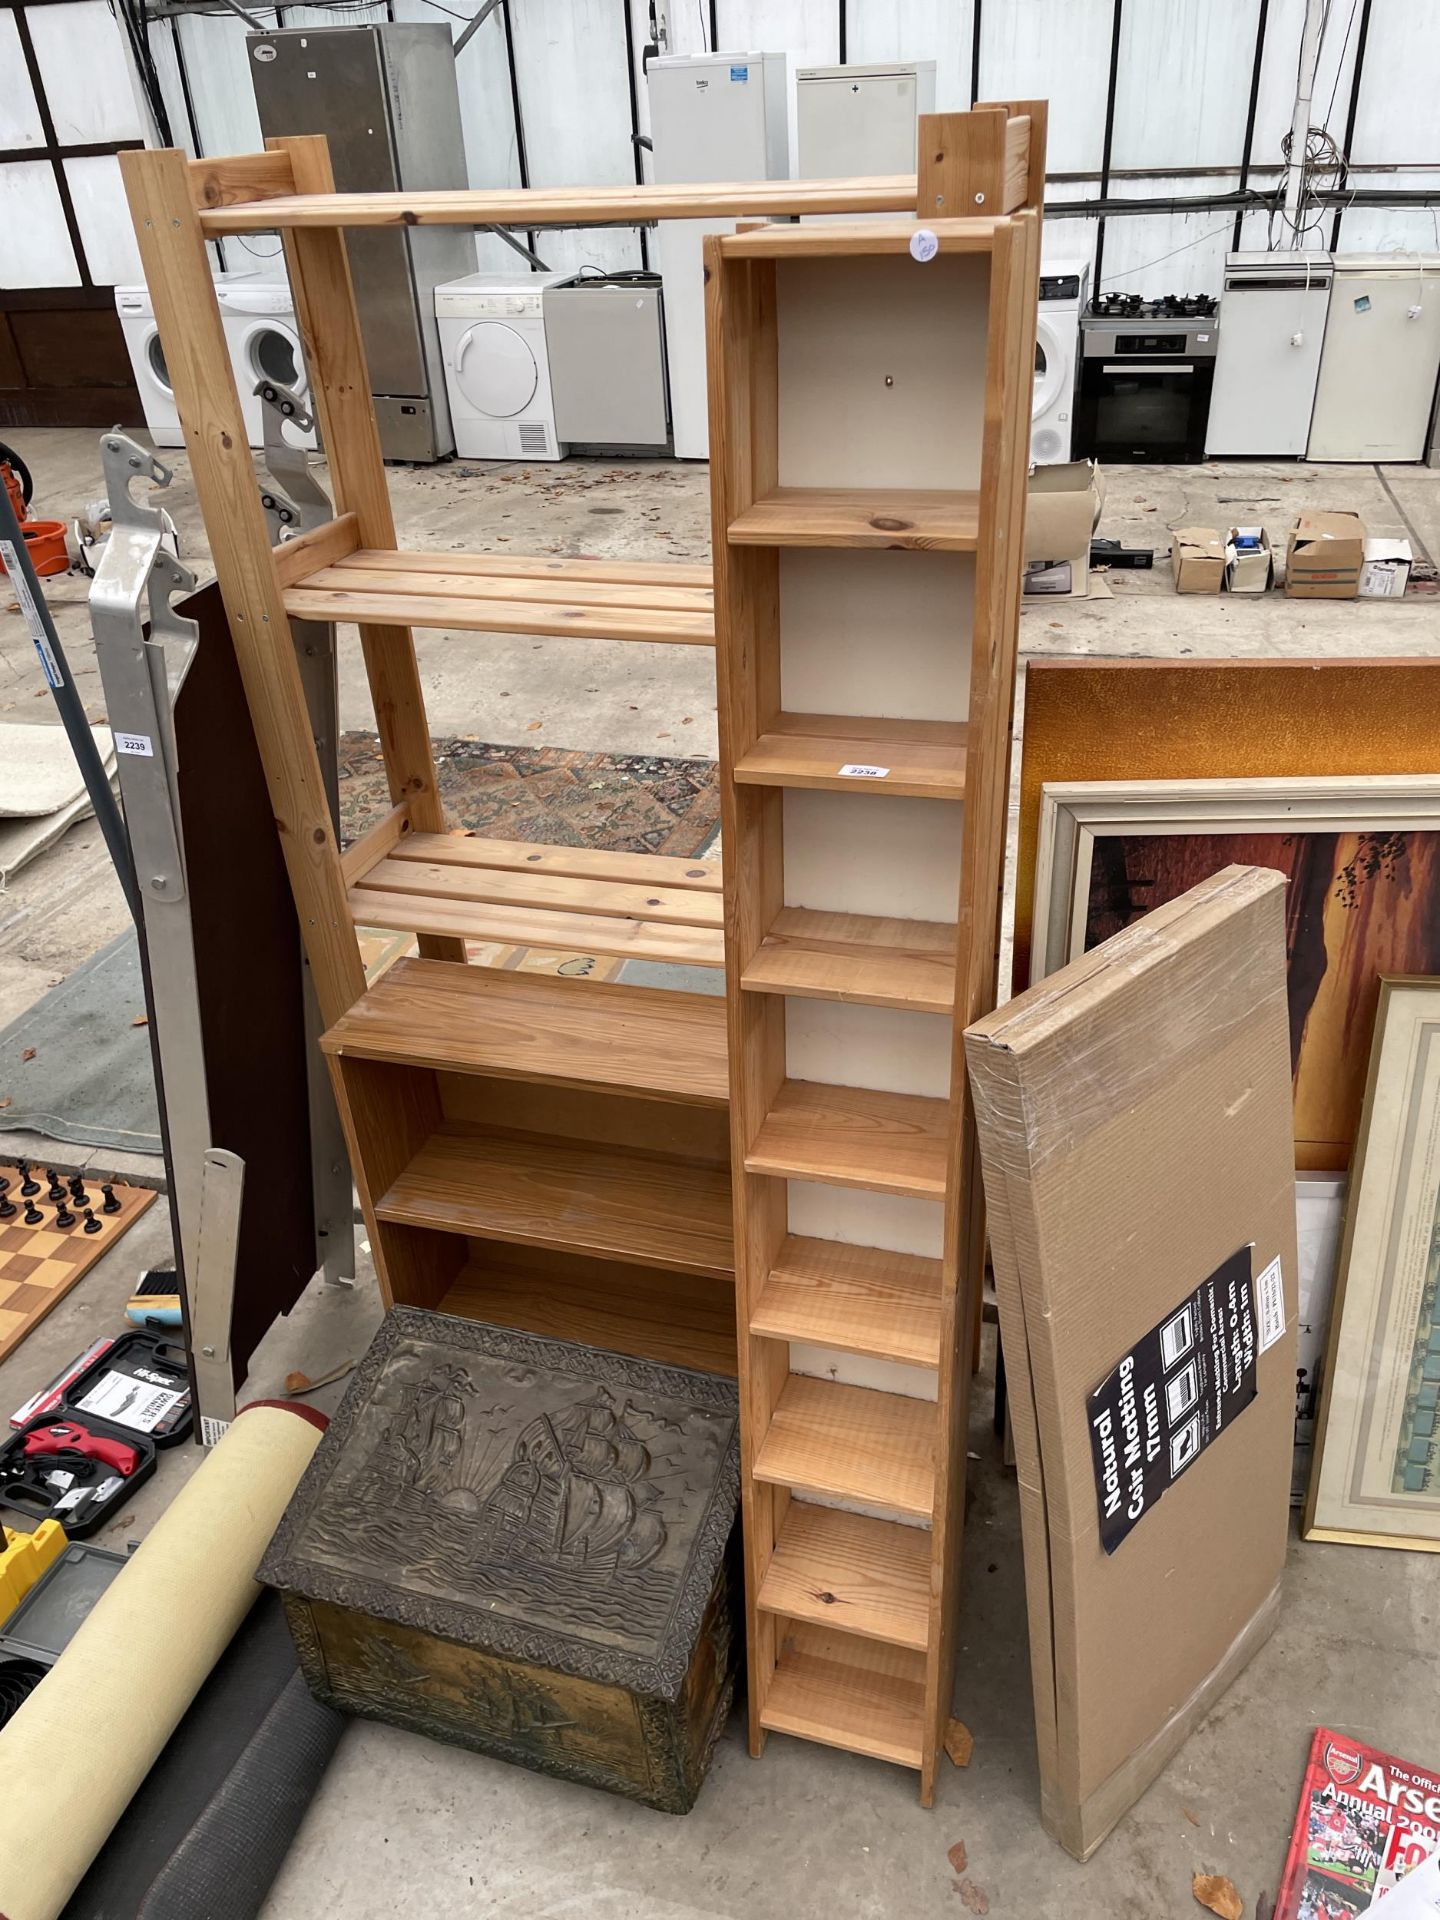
805,1834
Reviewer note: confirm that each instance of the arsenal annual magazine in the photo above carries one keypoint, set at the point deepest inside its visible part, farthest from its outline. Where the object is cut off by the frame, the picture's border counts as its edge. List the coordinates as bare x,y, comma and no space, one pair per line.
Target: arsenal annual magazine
1364,1820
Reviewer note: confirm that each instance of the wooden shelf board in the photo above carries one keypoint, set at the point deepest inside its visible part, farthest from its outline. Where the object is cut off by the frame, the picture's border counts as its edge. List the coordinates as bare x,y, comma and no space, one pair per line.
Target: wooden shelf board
641,1208
846,1692
522,926
856,957
683,1321
701,875
854,1137
859,1299
945,520
398,599
849,1572
852,1443
518,1026
923,759
463,883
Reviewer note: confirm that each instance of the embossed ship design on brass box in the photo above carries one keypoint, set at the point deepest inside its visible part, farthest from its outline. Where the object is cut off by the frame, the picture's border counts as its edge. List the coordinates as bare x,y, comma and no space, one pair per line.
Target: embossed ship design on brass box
483,1492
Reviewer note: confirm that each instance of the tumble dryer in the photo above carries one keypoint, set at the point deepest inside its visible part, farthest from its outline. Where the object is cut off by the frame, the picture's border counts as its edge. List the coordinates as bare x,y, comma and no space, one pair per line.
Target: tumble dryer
497,370
1064,289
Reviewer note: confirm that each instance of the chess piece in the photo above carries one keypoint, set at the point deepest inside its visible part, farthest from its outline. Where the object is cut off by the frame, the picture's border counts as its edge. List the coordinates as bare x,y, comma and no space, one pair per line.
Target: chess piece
78,1195
29,1186
57,1190
111,1204
8,1208
92,1225
33,1216
63,1216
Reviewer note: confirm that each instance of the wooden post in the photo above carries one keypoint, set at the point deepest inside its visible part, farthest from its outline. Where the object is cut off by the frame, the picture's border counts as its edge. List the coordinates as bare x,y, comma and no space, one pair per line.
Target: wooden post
340,384
177,269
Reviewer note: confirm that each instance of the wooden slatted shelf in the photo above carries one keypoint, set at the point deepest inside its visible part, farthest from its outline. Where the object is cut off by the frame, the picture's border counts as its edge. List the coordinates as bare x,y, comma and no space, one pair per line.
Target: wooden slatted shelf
851,1572
854,1137
566,1033
850,1693
942,520
924,759
859,1299
399,599
851,1443
684,1321
856,957
643,1208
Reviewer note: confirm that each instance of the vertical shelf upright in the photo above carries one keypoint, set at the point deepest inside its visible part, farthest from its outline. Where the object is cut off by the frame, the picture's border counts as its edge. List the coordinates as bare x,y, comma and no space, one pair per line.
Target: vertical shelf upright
870,408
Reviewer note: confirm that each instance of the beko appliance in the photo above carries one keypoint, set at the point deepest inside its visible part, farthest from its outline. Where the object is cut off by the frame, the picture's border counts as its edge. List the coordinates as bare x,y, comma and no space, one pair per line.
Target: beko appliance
497,369
714,116
385,98
1273,309
1379,362
1146,369
1064,289
851,121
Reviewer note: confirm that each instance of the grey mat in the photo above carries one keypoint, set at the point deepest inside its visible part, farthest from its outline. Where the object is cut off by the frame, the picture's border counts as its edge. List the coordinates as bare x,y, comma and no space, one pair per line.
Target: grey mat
89,1081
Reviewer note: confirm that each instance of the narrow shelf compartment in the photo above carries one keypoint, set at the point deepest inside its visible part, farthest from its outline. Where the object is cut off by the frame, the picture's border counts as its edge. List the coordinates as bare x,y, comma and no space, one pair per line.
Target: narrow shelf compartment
923,759
641,1208
945,520
518,1026
854,1137
683,1321
859,1299
852,1443
848,1571
850,1693
856,957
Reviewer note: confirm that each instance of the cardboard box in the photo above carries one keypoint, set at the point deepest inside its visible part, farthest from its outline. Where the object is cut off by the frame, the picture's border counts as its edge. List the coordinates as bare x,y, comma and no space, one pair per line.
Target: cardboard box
1386,572
1136,1136
1062,510
1248,569
1324,557
1197,555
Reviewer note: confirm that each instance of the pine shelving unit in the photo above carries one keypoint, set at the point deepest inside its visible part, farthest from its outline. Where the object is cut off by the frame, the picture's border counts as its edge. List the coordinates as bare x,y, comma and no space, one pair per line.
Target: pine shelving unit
869,431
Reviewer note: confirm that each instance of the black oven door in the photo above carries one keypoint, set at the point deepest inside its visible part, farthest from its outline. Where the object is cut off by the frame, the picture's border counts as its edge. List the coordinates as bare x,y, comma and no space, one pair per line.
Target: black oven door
1144,411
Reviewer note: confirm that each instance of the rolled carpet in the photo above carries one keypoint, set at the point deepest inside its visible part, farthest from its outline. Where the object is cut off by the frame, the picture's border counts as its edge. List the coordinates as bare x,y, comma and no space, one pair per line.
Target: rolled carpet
78,1749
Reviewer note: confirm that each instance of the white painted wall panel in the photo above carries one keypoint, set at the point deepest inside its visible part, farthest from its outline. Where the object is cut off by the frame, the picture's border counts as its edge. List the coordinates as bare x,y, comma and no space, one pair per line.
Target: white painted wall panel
98,196
1055,49
1393,229
219,72
19,115
1396,117
1169,252
85,70
35,248
938,30
1183,83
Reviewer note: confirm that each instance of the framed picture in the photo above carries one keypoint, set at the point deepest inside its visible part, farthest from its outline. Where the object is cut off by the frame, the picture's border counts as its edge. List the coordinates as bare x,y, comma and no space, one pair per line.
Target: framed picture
1362,856
1376,1477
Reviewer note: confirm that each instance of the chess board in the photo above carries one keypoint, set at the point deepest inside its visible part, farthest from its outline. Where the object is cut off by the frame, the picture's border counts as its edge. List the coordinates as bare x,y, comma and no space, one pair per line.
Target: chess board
39,1265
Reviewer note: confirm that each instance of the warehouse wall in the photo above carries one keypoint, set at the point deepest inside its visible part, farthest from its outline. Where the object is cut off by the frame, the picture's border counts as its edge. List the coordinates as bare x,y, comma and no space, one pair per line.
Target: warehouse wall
1174,125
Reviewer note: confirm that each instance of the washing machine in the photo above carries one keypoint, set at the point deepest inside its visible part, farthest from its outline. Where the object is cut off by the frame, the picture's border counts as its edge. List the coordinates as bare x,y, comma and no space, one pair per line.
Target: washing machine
263,334
1064,290
497,371
147,361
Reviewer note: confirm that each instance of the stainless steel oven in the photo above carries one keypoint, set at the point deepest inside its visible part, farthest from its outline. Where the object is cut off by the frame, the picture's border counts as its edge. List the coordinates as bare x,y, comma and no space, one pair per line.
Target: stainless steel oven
1145,381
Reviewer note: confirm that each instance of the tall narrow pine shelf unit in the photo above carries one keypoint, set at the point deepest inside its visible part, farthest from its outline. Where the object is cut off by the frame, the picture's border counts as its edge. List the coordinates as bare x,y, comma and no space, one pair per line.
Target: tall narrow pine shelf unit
870,413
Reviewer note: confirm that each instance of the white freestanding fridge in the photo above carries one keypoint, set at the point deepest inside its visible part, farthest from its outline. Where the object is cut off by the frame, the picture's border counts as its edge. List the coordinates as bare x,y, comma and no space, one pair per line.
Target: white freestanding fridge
855,121
1380,360
714,116
1272,327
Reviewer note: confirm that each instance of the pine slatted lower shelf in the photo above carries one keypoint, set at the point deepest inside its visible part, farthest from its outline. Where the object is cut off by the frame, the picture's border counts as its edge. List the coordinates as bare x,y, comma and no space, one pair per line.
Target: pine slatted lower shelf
859,1299
944,520
565,1033
854,1137
856,957
848,1571
851,1443
641,1208
915,759
850,1693
683,1321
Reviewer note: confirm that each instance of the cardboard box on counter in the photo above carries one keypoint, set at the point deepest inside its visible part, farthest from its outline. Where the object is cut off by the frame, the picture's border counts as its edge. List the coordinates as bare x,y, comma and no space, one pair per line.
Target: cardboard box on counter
1197,556
1248,569
1135,1128
1324,557
1061,512
1386,572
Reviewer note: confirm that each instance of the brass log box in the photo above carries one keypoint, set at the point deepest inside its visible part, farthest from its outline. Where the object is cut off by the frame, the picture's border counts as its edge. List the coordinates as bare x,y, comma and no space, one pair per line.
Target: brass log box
520,1546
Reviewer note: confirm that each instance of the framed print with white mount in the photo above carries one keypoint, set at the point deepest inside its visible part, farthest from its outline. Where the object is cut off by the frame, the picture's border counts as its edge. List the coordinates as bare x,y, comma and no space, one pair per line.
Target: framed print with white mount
1376,1477
1361,854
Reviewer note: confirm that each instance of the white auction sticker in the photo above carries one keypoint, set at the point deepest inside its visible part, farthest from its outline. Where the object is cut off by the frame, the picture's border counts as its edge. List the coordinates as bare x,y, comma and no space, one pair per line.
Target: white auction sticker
856,771
21,589
923,245
1270,1304
139,744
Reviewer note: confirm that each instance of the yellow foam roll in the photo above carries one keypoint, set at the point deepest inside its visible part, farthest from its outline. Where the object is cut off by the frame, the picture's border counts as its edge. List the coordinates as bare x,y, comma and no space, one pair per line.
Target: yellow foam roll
80,1746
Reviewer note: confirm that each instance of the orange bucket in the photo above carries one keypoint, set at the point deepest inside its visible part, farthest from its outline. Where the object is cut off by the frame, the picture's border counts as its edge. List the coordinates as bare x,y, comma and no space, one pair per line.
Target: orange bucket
45,544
